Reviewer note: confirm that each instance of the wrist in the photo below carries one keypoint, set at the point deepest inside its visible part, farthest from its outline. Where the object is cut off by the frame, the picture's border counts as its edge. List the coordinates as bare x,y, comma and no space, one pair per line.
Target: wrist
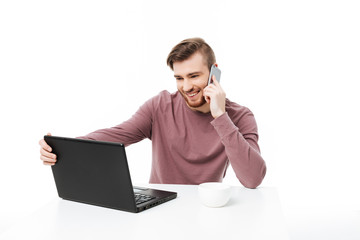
219,114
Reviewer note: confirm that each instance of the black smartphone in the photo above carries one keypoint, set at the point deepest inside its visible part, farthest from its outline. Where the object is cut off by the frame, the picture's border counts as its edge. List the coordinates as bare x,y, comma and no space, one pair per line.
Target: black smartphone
214,71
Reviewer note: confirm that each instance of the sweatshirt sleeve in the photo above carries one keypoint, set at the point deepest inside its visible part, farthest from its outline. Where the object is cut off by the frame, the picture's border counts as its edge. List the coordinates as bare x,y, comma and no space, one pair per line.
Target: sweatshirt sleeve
241,147
131,131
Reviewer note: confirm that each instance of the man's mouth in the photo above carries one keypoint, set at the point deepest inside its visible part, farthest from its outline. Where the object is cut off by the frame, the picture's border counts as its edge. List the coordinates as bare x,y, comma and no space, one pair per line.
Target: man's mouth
192,94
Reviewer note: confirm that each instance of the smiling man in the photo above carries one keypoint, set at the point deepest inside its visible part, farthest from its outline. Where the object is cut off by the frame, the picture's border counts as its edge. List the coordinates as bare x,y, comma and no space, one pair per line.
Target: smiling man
196,132
192,77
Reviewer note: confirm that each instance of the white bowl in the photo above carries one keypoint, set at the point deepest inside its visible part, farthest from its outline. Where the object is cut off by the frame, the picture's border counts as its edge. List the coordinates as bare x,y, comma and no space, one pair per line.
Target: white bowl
214,194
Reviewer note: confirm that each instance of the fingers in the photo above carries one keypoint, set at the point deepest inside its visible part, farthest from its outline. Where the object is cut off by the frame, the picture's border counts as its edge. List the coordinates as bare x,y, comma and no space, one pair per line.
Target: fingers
46,156
207,99
216,83
214,88
47,161
208,93
211,90
44,145
214,80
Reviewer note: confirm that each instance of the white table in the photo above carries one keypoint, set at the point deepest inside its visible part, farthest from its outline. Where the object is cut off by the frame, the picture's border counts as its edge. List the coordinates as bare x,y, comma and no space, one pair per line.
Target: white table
250,214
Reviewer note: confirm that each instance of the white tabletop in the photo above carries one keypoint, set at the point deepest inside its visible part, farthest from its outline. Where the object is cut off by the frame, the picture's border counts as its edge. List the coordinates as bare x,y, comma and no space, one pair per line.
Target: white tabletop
250,214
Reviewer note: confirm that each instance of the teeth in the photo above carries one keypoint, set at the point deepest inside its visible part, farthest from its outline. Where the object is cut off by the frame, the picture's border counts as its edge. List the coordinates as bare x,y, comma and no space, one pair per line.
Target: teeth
193,94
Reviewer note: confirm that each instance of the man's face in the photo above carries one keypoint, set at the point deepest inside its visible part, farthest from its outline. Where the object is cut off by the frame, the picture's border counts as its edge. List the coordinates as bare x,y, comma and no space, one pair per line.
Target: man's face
191,78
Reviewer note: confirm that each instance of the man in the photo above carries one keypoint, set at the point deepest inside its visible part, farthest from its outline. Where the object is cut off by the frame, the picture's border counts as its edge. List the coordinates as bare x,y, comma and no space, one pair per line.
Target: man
195,132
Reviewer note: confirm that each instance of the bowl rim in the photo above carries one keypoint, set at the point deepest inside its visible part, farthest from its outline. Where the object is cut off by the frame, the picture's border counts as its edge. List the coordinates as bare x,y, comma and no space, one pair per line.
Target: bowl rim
214,186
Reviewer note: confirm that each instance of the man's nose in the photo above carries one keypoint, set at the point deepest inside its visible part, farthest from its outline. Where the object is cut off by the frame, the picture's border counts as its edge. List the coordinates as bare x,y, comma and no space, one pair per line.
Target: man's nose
187,85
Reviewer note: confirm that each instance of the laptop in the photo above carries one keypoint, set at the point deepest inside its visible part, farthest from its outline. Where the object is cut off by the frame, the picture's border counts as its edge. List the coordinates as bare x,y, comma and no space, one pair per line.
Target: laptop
97,173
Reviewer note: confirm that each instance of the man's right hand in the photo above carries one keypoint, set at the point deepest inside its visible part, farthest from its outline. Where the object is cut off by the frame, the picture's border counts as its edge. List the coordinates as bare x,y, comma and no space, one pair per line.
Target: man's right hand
46,156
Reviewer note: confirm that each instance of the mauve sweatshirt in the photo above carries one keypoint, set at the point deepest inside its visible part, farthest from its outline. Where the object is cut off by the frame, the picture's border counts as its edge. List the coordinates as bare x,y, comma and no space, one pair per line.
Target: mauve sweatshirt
190,147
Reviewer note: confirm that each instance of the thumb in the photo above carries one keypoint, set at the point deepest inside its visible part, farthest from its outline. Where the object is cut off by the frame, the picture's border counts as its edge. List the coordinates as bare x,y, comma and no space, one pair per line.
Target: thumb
215,81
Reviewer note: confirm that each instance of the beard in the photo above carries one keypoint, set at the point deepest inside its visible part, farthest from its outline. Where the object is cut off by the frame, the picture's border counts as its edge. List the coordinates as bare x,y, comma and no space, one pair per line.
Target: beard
191,103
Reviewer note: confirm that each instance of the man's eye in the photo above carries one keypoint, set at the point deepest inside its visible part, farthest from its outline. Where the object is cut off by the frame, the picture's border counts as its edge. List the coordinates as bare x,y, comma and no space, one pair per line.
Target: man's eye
178,79
194,76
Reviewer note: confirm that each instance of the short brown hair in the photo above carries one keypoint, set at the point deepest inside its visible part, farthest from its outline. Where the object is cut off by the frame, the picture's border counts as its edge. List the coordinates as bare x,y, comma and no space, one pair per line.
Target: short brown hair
188,47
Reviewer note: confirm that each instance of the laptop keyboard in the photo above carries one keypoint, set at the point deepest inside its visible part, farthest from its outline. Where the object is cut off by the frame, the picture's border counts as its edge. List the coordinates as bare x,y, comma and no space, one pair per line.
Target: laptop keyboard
141,198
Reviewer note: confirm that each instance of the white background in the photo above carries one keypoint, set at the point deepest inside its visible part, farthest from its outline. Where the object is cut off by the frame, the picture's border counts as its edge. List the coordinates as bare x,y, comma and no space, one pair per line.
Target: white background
71,67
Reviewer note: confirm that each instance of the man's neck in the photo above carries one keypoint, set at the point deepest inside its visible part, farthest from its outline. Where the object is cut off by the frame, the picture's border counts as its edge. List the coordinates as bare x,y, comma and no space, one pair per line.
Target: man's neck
205,108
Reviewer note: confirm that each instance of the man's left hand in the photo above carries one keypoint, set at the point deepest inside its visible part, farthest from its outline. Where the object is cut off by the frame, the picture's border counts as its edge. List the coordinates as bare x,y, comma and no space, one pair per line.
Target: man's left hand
215,96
